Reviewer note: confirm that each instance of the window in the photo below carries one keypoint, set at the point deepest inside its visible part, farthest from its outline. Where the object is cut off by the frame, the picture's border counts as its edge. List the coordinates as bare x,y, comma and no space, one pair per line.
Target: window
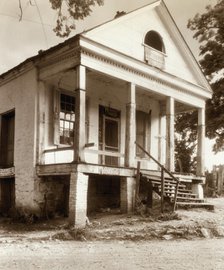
143,125
67,119
154,40
154,50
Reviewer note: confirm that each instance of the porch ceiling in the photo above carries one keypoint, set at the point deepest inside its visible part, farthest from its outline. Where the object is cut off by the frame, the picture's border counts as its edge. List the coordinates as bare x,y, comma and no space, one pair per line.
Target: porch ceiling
67,80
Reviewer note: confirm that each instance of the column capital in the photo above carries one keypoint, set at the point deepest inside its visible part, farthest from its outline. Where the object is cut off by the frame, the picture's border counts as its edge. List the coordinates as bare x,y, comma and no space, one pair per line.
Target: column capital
131,93
80,77
170,109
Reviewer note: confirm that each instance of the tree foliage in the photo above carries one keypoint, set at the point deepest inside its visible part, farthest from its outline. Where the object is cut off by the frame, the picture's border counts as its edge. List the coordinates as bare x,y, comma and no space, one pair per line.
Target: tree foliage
209,31
186,141
69,11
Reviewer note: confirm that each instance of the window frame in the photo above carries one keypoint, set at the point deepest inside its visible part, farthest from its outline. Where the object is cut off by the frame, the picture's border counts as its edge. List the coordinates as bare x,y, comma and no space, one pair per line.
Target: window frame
57,118
163,51
68,121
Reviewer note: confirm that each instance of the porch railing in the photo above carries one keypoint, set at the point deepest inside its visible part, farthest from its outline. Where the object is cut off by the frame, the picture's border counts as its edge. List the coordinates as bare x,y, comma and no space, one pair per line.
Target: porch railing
163,171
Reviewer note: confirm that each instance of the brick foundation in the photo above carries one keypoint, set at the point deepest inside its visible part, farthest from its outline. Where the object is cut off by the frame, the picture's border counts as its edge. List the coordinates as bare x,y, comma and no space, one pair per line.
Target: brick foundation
127,194
78,199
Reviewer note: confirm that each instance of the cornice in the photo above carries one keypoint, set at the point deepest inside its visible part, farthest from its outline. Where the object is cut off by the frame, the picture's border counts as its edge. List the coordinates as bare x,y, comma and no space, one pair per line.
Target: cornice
60,57
16,73
160,78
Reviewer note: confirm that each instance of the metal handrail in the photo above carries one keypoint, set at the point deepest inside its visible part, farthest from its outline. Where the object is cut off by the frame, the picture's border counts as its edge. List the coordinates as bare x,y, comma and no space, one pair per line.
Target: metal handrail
163,169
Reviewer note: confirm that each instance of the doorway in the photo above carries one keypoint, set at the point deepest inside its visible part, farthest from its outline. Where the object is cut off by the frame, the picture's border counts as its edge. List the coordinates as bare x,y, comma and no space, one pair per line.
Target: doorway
103,194
7,188
7,124
109,135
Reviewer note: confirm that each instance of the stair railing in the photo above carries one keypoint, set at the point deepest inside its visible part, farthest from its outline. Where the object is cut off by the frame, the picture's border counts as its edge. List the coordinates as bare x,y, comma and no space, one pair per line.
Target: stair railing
163,171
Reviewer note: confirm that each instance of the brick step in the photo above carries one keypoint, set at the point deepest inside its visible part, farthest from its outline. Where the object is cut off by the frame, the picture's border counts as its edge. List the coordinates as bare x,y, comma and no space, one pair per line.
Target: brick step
205,205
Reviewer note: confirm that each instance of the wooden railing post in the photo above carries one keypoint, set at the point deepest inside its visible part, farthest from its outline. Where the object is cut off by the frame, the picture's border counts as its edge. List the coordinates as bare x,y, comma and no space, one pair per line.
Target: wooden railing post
138,176
163,171
175,197
162,190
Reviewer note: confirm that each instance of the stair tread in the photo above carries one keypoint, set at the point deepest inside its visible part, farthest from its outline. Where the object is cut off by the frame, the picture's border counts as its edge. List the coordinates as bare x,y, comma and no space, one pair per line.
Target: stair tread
194,203
185,191
190,199
155,178
166,183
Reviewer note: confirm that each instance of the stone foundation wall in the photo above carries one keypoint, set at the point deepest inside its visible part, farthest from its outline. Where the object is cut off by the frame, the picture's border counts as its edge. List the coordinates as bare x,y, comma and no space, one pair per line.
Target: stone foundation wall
52,195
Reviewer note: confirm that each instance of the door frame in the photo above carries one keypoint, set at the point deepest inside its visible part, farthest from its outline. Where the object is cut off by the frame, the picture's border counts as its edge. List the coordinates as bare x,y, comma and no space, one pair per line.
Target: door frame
3,161
104,115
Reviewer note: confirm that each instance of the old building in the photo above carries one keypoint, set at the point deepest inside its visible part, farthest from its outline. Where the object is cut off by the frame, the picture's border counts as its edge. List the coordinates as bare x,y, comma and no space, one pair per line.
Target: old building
70,116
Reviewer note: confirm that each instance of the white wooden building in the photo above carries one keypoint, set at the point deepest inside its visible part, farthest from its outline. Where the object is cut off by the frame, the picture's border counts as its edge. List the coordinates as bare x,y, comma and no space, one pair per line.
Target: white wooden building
70,116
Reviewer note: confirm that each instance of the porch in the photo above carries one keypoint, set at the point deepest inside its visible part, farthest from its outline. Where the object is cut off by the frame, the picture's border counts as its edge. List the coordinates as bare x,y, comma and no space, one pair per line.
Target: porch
104,117
85,196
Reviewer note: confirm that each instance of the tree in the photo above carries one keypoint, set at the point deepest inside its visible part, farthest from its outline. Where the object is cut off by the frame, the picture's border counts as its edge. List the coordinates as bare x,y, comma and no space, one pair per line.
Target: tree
186,142
209,31
68,11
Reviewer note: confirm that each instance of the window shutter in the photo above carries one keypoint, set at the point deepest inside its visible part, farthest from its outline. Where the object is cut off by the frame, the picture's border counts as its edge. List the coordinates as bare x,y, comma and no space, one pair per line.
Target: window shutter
56,114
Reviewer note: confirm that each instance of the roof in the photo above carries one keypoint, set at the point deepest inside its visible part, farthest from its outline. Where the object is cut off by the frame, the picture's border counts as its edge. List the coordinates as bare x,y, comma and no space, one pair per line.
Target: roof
66,42
41,54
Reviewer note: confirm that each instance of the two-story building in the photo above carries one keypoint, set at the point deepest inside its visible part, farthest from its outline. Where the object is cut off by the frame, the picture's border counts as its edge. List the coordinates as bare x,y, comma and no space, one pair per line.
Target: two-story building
70,116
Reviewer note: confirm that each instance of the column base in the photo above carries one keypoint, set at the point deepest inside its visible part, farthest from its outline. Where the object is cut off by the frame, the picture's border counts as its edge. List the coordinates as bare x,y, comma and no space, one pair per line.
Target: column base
198,189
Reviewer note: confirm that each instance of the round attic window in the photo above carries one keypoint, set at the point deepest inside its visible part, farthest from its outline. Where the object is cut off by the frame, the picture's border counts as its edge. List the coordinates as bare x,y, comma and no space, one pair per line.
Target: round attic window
154,40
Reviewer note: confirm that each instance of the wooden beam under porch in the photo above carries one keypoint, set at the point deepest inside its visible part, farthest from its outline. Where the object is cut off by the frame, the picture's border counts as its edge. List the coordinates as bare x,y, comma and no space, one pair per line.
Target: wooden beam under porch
86,168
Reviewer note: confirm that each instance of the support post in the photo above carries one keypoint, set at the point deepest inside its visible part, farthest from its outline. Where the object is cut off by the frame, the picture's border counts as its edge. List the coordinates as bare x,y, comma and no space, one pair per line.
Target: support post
130,151
201,142
162,189
78,199
170,134
138,178
80,117
128,186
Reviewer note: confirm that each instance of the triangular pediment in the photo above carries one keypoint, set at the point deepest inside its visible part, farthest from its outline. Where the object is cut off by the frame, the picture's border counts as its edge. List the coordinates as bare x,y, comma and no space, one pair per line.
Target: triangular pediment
126,35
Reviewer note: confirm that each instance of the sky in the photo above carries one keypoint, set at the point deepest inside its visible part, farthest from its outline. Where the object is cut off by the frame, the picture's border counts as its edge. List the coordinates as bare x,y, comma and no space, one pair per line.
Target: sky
22,39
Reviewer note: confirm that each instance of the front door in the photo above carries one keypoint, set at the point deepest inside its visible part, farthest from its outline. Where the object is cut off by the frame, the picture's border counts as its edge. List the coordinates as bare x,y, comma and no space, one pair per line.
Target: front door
7,140
109,136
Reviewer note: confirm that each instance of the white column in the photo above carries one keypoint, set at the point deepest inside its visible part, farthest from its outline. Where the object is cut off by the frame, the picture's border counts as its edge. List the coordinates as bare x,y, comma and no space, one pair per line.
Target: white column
201,142
170,134
130,127
80,114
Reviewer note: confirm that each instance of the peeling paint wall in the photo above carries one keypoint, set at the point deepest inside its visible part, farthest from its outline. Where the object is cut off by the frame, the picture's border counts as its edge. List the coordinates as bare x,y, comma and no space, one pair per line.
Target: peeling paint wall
19,94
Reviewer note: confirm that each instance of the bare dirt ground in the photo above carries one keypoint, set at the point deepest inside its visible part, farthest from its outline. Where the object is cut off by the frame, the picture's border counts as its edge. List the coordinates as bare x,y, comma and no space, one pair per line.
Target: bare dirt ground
119,255
115,241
